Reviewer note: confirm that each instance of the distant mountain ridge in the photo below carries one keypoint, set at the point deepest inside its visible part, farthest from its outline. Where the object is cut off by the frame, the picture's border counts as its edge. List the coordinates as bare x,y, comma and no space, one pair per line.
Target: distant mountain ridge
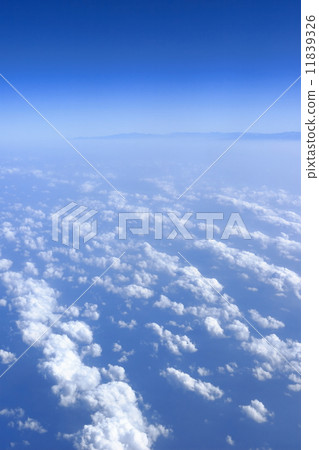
287,135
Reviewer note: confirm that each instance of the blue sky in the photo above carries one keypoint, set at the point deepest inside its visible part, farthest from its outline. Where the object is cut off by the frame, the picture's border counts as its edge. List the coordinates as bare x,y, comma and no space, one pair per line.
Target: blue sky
98,68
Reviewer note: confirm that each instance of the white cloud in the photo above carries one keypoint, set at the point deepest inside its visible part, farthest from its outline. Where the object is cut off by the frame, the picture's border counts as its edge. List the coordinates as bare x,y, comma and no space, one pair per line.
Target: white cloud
5,264
165,302
281,355
130,325
202,388
31,269
288,248
203,372
192,280
12,412
213,327
117,347
8,231
281,278
261,373
6,357
77,330
256,411
265,322
264,213
115,373
174,342
32,425
117,421
230,368
90,311
93,350
240,330
53,271
230,440
130,290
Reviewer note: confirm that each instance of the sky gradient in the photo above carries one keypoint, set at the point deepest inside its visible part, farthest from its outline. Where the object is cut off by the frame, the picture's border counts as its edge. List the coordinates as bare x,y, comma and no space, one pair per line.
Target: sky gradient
99,68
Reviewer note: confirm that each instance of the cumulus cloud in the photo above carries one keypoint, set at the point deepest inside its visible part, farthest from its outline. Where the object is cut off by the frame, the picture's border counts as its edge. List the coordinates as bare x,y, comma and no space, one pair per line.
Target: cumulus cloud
31,424
129,325
286,247
16,415
77,330
12,412
261,372
130,290
5,264
265,322
116,420
256,411
213,327
174,342
281,355
265,213
281,278
90,311
31,269
202,388
230,368
6,357
192,280
165,303
115,373
240,330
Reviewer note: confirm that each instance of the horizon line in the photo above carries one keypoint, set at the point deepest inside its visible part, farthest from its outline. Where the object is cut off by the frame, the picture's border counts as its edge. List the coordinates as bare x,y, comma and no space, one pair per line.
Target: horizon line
288,135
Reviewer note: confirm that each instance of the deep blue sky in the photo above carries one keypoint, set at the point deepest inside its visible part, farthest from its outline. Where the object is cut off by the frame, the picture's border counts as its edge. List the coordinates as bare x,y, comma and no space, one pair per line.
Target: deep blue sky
97,68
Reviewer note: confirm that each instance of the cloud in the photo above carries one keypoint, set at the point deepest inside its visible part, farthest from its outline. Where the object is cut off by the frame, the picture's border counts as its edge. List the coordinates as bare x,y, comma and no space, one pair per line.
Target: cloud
262,374
240,330
265,322
213,327
174,342
202,388
30,269
130,290
12,412
230,368
256,411
129,325
32,425
116,420
115,373
6,357
90,311
5,264
230,440
165,302
286,247
16,415
77,330
281,278
203,372
281,355
265,213
192,280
